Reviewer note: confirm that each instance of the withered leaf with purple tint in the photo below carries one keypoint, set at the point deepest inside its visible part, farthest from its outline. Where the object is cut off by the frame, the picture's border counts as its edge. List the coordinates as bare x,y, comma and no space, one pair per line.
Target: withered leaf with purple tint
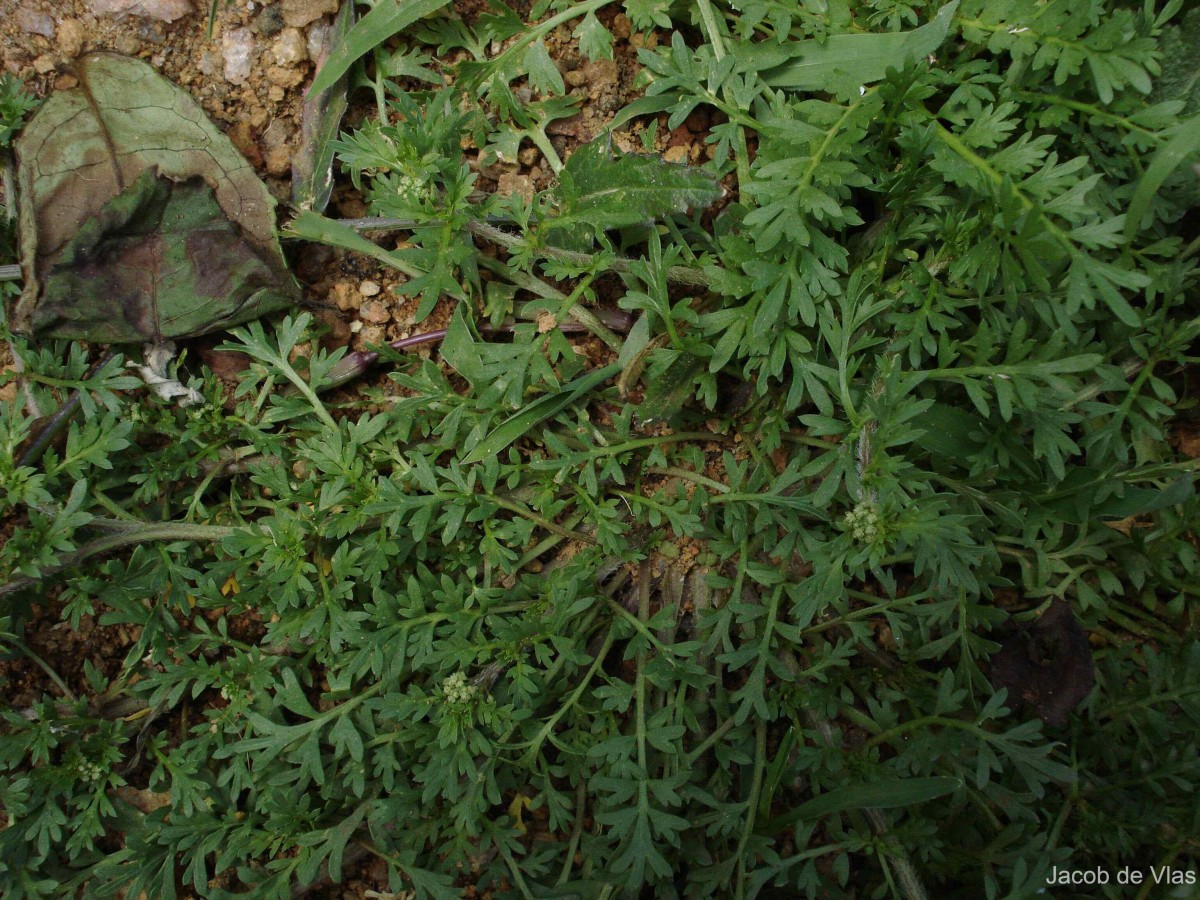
1046,665
139,220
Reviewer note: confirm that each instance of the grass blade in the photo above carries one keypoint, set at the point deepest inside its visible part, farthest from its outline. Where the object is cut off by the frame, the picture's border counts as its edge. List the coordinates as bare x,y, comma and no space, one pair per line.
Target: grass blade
386,19
1183,143
523,420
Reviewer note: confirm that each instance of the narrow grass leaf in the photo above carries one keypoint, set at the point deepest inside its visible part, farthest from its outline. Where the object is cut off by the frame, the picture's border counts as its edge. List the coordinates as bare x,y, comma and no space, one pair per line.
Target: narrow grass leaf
845,61
386,19
1183,143
522,421
877,795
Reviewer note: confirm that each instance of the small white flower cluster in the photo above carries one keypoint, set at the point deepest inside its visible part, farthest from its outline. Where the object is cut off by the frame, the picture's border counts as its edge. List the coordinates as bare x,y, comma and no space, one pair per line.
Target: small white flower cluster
88,771
863,522
457,689
409,186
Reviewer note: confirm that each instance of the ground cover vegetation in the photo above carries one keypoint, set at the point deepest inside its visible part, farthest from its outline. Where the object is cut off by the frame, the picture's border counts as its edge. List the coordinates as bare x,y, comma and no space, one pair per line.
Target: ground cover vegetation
855,555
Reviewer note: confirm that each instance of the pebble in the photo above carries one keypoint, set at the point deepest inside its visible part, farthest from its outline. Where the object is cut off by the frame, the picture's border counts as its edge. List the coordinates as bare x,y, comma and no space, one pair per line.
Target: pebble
237,49
70,37
299,13
290,47
320,40
677,154
44,64
374,312
270,21
344,296
33,22
521,185
370,336
210,63
277,157
163,10
242,136
369,289
284,78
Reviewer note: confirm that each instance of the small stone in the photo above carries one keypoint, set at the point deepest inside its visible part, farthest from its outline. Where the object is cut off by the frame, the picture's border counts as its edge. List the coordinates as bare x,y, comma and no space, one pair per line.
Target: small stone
278,160
34,22
520,185
70,37
163,10
677,154
275,93
299,13
344,295
600,75
356,326
578,78
375,312
370,336
284,78
368,289
270,21
528,156
127,44
65,82
44,64
290,47
621,26
242,136
320,41
210,63
237,49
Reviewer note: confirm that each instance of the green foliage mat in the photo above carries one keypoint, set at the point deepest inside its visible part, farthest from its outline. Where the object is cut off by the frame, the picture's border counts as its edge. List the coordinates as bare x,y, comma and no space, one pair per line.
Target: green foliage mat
767,595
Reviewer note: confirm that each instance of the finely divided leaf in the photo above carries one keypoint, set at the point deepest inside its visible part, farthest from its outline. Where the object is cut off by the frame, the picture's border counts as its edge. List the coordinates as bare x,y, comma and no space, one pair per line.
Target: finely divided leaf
604,190
845,62
595,41
543,74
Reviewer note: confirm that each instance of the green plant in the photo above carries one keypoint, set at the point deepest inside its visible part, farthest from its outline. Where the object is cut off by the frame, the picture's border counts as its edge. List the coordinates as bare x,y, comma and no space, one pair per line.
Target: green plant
709,610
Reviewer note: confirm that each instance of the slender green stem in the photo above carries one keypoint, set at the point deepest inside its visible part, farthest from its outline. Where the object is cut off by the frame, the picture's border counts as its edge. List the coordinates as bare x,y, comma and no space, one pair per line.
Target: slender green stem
705,745
527,513
159,531
756,783
41,664
687,475
678,274
538,739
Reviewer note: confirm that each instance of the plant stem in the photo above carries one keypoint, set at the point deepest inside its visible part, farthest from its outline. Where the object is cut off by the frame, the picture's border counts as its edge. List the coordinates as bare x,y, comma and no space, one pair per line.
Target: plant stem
158,531
678,274
33,452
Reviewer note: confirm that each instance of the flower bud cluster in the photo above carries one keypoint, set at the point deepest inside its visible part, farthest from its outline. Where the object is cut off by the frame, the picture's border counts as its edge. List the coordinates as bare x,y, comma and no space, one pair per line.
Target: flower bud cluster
863,522
456,689
88,771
